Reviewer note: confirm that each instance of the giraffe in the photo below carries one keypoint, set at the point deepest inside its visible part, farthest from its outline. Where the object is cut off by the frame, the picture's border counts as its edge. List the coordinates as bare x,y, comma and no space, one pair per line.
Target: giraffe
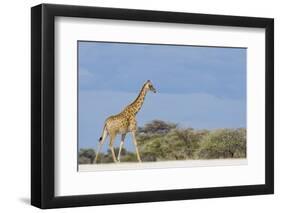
123,123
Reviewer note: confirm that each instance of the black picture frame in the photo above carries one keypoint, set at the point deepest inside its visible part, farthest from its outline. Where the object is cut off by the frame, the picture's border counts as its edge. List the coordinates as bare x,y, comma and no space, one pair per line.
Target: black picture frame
43,102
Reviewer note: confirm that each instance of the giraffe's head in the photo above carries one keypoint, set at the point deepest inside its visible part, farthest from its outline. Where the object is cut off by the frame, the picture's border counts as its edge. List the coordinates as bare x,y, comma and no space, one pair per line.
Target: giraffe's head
149,86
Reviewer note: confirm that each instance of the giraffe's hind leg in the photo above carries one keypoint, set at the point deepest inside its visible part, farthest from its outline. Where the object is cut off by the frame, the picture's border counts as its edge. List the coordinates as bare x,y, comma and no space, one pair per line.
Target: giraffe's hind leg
104,136
112,138
121,146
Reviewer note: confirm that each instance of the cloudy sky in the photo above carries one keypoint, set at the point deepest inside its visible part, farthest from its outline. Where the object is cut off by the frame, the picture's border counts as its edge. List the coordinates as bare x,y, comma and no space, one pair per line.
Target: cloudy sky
199,87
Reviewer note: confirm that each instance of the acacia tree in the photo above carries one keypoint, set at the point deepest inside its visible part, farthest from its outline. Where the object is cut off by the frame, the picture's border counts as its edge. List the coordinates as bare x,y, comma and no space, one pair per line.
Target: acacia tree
190,139
157,127
223,143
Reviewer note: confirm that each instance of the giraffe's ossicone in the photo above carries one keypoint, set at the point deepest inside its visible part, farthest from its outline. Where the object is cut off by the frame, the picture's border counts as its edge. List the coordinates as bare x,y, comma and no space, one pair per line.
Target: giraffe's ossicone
123,123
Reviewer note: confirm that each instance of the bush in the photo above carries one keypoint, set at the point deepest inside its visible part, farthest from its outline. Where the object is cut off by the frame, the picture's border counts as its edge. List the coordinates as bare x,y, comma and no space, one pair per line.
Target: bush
162,141
223,143
84,160
86,156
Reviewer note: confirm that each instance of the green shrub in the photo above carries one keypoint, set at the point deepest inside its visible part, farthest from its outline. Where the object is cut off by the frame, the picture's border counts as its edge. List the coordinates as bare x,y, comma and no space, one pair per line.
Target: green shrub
223,143
163,141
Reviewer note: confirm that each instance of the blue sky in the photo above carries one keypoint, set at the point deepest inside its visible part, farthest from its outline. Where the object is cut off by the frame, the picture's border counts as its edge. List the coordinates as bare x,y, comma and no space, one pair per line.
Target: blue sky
199,87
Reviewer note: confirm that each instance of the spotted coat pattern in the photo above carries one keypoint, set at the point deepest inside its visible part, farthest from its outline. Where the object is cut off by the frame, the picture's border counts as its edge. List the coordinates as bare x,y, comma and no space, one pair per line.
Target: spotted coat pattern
124,122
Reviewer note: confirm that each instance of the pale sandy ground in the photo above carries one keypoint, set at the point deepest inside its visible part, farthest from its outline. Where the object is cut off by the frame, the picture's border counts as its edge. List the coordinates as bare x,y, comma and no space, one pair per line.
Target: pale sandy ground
159,165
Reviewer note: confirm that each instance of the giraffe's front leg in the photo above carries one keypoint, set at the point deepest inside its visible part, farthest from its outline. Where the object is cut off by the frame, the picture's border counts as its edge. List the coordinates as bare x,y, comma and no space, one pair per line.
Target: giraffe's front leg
136,146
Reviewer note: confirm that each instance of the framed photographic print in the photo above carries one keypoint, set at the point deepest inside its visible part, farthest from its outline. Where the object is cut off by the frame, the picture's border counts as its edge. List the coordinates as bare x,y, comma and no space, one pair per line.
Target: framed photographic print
140,106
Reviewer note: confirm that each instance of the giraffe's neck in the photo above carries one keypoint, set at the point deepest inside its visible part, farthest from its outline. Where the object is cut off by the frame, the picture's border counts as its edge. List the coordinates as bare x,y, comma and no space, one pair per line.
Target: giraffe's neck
135,107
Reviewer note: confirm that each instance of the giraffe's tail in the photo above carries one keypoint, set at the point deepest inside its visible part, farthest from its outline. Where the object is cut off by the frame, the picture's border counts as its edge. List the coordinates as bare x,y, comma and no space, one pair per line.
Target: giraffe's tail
104,132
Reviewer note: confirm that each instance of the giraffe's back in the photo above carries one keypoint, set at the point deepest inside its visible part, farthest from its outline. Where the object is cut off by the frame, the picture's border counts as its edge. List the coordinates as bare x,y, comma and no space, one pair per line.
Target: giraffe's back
117,124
